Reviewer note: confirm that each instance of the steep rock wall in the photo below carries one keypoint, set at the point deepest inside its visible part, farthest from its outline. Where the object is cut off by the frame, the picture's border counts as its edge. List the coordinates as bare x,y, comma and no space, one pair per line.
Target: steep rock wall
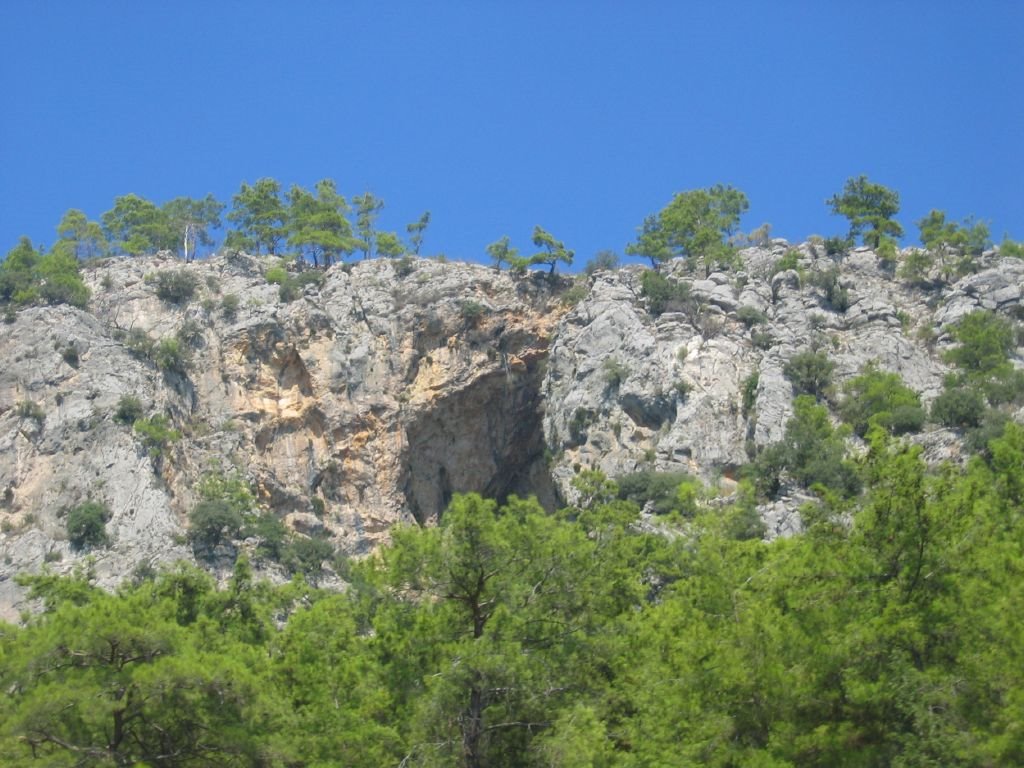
373,397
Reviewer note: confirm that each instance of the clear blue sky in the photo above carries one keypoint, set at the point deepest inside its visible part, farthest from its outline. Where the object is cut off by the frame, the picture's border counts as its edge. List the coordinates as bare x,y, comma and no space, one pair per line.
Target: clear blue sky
582,117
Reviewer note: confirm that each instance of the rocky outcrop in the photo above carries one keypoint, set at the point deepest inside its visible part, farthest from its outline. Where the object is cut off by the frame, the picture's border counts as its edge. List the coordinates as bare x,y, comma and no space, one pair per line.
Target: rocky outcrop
373,397
369,401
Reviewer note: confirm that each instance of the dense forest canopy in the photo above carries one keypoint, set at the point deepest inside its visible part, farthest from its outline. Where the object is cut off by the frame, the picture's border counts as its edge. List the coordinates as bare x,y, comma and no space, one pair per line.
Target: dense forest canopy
885,634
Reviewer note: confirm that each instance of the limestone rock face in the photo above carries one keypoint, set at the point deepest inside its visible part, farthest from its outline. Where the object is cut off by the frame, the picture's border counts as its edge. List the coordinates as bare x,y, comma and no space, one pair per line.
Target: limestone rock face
370,399
377,394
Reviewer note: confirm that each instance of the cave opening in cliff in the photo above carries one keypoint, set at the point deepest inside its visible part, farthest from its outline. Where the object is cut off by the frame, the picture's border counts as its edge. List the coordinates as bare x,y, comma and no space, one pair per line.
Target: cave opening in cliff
486,438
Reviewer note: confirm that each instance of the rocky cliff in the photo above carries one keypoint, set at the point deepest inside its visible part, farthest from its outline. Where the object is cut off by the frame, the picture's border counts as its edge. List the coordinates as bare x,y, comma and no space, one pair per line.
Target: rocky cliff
373,396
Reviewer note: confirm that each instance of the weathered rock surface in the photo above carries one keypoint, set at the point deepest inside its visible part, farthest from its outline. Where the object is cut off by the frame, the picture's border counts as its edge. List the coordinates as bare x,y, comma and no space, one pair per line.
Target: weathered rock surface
373,398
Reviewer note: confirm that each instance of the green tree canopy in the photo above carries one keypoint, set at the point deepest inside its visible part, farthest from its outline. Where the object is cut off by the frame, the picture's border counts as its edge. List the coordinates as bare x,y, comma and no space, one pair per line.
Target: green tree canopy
260,217
416,230
502,252
552,251
368,208
85,237
876,397
137,226
192,221
869,207
651,243
28,276
317,225
695,224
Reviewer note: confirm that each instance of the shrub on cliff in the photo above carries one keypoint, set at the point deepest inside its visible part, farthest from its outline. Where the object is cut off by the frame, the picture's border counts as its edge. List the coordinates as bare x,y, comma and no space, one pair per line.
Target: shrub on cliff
87,525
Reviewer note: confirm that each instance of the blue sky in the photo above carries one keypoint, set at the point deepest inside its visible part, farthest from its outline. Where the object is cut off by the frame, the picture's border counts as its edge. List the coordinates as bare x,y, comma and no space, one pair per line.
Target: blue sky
580,117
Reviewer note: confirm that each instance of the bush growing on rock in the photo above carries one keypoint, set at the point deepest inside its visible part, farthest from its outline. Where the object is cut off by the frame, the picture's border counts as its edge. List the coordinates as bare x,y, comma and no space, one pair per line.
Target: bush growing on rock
229,304
750,316
876,397
811,453
834,296
663,294
959,407
213,522
810,373
176,286
86,525
169,355
129,410
156,434
661,489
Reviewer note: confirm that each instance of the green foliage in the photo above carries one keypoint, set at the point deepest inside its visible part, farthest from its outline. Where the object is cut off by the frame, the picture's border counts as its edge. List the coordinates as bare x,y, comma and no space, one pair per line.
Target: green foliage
28,276
651,243
884,634
212,523
472,312
789,261
750,316
577,292
368,208
276,275
85,237
191,222
156,434
259,216
552,251
938,234
389,246
917,263
838,246
582,418
501,252
869,208
697,224
416,230
882,399
959,407
177,286
762,340
30,409
602,261
139,343
86,525
986,340
1011,249
70,355
306,554
834,295
292,286
663,294
811,453
810,373
614,372
229,304
749,390
129,410
171,356
659,489
136,226
317,225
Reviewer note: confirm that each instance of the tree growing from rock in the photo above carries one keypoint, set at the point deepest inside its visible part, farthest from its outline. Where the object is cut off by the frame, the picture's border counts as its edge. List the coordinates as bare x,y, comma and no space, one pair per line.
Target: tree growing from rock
368,208
260,217
317,224
869,208
695,224
416,230
502,252
192,221
552,251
